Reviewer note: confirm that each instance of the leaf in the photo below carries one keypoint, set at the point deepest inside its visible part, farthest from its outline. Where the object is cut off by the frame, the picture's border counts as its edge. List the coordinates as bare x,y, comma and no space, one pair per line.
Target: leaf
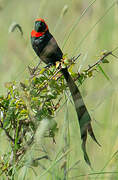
53,127
105,61
81,78
9,117
23,85
66,61
57,64
104,52
70,68
105,75
63,65
42,70
65,56
90,73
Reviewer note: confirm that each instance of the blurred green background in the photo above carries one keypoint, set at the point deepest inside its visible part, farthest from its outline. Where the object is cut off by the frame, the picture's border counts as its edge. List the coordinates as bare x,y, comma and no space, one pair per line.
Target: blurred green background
89,36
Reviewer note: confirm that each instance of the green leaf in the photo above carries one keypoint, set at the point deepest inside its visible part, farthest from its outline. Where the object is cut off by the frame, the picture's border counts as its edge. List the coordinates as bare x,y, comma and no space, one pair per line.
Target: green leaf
81,79
90,74
102,71
42,70
66,61
63,65
9,117
105,61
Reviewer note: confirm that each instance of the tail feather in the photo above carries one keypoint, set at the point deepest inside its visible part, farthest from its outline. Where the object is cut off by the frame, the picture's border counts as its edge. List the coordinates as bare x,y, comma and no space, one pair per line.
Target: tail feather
82,113
90,131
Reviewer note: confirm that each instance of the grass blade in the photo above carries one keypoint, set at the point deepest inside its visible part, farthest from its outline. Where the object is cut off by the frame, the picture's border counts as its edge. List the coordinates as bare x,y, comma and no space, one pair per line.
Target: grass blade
92,28
77,22
102,71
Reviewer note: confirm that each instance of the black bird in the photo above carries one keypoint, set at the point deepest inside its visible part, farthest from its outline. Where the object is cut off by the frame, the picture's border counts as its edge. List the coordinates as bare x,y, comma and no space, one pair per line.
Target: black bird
49,52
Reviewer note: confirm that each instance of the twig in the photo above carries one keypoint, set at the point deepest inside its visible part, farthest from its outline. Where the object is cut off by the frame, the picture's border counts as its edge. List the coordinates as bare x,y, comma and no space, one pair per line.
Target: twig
6,132
100,60
96,63
90,67
39,158
87,70
56,72
36,68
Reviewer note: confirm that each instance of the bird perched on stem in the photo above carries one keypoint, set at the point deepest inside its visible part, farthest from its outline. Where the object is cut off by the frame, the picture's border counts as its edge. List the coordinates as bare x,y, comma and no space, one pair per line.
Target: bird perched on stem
46,47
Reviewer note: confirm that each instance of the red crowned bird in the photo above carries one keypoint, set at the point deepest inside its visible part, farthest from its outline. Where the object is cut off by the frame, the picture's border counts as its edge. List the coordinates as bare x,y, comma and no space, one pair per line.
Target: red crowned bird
46,47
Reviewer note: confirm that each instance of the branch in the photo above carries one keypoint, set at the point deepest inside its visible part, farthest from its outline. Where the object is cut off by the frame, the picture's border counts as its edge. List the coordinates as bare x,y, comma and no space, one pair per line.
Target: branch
99,61
6,132
73,59
90,67
104,55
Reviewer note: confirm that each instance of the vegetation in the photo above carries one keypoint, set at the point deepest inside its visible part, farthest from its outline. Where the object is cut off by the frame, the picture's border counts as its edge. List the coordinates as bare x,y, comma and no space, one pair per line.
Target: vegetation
39,132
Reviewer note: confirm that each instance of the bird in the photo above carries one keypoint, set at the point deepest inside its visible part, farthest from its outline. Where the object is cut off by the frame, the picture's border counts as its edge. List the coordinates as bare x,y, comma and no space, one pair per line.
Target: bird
48,50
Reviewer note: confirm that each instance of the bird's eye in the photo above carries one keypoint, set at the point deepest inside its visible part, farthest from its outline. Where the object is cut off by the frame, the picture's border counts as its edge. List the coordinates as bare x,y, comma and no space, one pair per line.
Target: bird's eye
40,26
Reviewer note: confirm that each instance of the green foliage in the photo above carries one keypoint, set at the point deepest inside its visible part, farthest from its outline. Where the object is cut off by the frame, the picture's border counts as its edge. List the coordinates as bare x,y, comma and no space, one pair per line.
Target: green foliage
24,106
27,103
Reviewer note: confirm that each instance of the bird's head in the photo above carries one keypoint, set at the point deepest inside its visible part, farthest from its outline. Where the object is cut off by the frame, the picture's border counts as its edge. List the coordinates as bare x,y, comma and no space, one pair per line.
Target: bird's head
40,25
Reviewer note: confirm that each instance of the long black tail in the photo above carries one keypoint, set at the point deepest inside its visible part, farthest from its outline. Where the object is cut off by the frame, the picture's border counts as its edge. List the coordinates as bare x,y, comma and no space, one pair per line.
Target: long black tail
82,113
